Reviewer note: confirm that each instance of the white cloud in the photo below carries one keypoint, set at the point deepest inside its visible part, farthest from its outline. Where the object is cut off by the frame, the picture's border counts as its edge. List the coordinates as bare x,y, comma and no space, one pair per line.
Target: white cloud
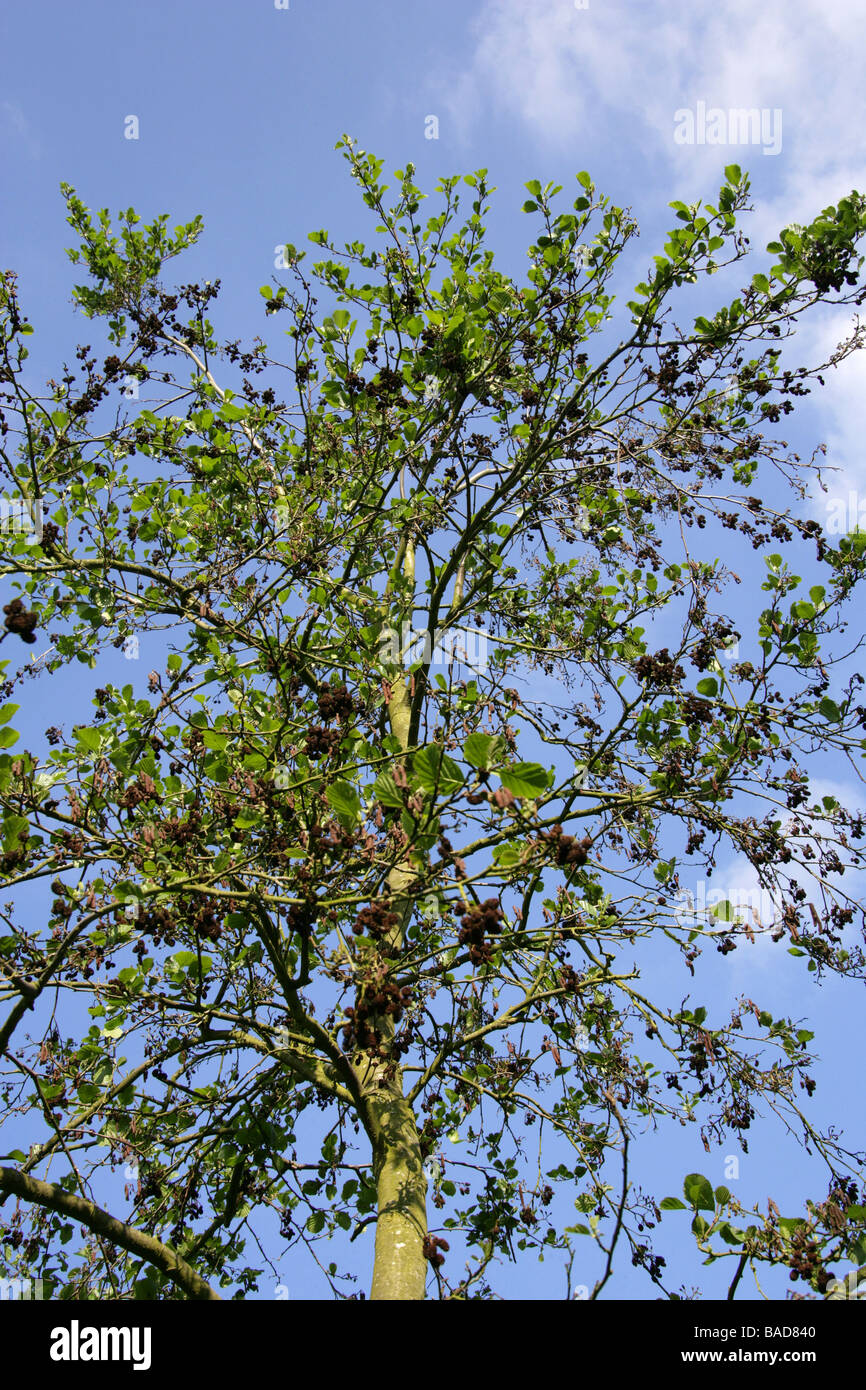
601,85
737,882
840,416
617,71
12,119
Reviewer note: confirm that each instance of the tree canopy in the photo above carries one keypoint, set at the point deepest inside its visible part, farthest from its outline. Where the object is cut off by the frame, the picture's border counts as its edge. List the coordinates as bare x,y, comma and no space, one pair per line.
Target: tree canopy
446,719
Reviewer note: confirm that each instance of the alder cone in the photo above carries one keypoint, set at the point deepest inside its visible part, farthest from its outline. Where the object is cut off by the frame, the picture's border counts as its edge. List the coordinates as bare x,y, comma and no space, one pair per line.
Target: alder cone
19,620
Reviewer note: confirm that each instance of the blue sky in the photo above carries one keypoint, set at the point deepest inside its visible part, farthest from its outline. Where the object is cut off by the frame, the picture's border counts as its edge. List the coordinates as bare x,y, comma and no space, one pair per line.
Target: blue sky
238,107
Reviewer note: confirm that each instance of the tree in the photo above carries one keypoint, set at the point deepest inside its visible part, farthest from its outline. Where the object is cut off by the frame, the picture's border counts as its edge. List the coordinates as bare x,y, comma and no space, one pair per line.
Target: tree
341,884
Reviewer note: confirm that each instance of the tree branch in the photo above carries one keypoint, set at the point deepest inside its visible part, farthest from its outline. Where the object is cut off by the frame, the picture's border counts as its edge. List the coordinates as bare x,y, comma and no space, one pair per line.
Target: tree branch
48,1194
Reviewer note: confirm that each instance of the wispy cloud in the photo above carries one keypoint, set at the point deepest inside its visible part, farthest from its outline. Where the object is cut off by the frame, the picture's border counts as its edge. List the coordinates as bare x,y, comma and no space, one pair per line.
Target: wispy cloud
595,83
840,409
618,71
15,126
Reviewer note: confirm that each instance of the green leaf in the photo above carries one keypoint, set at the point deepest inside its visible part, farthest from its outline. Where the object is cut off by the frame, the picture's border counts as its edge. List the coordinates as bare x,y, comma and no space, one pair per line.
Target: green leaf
13,830
482,750
435,771
316,1222
698,1192
385,789
345,801
730,1234
857,1251
672,1204
708,686
528,780
790,1224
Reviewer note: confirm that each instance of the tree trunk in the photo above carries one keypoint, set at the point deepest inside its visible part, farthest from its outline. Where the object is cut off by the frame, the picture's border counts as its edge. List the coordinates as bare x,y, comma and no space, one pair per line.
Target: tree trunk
400,1268
400,1265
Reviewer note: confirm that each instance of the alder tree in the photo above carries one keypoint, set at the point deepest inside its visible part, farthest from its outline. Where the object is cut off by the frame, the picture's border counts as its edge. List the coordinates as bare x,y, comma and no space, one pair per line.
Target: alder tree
340,918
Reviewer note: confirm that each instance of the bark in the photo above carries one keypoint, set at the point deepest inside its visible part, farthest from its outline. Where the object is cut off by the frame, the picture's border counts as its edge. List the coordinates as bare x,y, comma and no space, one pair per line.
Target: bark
48,1194
400,1268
